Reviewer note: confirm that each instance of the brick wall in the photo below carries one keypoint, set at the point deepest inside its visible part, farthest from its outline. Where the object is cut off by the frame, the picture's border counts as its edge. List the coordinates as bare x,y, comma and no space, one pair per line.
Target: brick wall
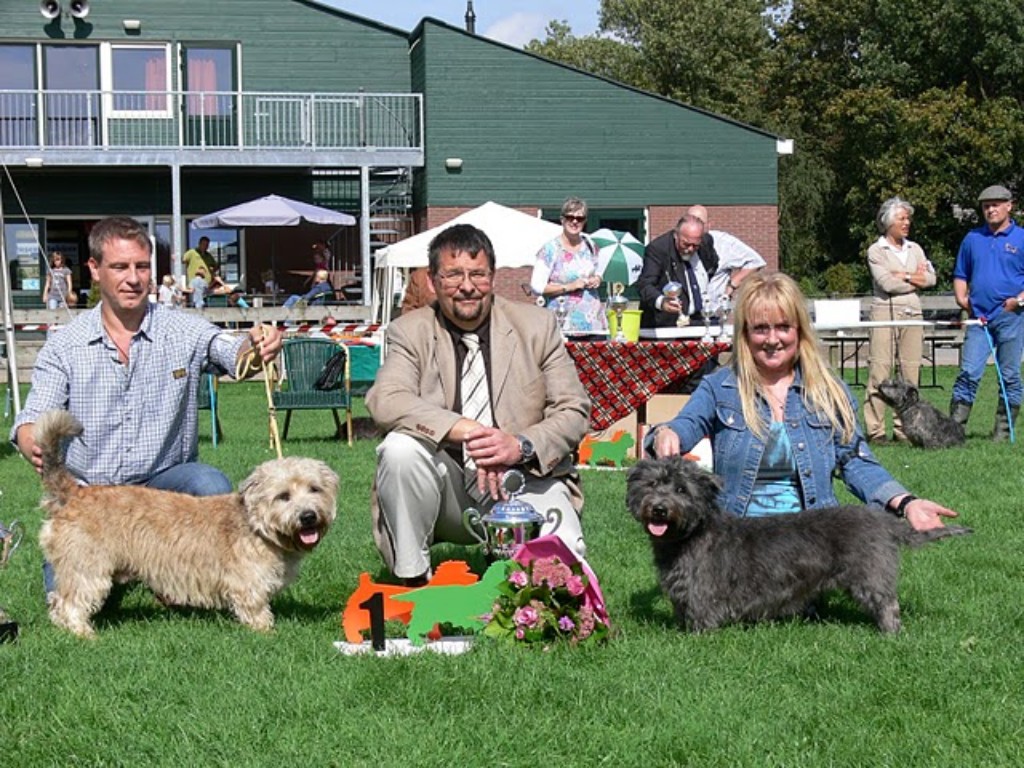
756,225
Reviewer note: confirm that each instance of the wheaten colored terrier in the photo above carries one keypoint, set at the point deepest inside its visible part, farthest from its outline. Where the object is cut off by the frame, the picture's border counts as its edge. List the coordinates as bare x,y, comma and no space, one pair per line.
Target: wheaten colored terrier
233,551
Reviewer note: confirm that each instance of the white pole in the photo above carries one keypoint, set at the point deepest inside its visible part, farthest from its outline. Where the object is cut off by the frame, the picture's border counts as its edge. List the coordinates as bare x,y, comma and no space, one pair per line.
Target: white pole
5,278
364,233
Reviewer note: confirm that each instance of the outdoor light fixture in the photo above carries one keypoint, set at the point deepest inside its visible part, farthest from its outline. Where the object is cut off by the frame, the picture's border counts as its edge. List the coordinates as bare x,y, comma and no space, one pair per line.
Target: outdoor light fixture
784,146
34,162
453,163
131,25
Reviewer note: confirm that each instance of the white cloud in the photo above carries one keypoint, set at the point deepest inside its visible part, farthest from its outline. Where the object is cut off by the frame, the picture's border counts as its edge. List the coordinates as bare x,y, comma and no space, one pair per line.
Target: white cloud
518,29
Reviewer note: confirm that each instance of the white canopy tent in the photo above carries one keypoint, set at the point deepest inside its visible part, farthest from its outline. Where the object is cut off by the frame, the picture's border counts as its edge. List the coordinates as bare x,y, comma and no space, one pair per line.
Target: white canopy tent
516,237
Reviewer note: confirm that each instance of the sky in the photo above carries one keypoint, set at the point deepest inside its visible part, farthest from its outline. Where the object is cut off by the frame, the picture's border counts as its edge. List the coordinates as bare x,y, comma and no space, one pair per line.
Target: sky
515,22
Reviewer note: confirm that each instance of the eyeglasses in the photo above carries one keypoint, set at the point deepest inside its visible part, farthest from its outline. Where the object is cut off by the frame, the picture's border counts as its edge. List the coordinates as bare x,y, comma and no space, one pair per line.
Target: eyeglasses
575,219
455,279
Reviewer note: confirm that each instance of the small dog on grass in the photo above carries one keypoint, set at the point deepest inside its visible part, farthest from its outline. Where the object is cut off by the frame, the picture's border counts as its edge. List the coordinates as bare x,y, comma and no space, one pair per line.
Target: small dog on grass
924,425
719,569
233,551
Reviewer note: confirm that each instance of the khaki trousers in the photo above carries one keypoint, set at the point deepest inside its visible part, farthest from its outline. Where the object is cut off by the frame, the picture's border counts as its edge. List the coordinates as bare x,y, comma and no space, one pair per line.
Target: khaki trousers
420,498
888,345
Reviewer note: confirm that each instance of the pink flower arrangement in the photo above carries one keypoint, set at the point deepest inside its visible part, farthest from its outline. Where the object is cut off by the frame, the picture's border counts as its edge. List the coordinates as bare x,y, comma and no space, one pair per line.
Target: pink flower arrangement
542,601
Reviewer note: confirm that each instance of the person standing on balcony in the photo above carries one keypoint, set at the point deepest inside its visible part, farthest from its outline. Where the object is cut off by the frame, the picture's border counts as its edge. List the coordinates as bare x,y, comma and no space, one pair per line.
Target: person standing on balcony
198,288
197,257
58,282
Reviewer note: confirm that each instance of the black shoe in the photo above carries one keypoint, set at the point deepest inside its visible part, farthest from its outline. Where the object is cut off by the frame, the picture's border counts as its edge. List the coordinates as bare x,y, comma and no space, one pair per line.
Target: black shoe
414,582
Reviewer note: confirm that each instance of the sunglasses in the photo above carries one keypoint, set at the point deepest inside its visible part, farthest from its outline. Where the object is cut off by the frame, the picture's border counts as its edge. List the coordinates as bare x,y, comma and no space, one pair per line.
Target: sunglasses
576,219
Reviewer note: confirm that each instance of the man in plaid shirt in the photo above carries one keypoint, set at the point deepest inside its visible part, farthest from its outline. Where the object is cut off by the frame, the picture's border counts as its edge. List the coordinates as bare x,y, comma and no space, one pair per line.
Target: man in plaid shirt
129,371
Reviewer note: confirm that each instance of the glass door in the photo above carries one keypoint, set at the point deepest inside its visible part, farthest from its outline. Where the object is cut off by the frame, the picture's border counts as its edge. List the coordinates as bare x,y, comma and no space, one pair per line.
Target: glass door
211,103
71,77
18,126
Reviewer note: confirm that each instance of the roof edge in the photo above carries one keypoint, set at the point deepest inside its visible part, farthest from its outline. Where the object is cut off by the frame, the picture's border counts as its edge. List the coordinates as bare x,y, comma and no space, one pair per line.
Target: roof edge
418,32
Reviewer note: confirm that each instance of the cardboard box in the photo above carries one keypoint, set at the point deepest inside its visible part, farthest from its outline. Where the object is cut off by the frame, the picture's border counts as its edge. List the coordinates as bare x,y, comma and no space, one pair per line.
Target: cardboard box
607,453
664,407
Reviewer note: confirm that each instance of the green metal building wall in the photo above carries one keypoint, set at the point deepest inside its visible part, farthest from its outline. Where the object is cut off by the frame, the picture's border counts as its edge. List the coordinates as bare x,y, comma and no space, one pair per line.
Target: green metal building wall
531,132
289,45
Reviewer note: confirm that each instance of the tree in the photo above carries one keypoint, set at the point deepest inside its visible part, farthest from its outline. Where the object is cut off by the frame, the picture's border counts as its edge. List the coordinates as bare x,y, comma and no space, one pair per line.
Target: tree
920,98
701,52
592,53
915,98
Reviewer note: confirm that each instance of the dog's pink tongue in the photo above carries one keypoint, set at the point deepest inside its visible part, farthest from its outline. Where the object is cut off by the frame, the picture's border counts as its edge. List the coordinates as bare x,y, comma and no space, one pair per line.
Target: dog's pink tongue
310,537
657,529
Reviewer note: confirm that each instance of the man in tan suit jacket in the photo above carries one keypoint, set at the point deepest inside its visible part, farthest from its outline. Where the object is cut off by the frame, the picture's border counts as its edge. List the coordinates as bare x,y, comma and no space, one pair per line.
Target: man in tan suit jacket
540,411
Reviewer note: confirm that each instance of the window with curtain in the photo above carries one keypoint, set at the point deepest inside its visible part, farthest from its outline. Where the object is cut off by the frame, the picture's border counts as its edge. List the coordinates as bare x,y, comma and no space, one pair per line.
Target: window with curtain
209,73
139,78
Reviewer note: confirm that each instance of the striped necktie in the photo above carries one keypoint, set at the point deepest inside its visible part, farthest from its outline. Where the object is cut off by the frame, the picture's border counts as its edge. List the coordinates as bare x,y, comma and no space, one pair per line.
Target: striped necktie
476,397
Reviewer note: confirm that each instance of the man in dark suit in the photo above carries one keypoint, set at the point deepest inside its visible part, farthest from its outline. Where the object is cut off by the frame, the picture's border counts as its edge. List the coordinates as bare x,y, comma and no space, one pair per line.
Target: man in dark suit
684,255
537,410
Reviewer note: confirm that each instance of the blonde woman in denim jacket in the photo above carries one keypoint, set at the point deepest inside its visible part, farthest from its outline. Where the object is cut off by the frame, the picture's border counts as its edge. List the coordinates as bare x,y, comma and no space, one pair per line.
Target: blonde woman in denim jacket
781,423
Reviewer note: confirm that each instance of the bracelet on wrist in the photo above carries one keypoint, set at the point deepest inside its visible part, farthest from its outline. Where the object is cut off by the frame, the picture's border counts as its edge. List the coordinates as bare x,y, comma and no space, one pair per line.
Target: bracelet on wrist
901,508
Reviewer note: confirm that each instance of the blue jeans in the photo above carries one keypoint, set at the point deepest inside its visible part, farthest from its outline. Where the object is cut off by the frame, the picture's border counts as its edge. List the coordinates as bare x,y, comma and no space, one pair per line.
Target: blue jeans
1004,331
193,478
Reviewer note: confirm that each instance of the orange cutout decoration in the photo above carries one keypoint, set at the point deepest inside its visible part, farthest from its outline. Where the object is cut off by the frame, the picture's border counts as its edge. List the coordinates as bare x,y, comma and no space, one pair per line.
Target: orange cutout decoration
355,619
594,452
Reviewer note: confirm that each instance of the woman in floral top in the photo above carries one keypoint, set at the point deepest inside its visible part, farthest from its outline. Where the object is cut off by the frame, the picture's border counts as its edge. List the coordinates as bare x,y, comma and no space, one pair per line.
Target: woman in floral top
566,273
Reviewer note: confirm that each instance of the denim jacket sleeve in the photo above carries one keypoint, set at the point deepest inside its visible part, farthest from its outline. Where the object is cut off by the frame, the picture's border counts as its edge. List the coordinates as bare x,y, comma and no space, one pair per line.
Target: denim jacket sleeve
695,421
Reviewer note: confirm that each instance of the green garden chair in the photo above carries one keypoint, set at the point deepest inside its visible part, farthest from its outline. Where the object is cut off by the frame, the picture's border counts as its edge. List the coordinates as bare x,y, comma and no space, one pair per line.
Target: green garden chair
304,361
208,386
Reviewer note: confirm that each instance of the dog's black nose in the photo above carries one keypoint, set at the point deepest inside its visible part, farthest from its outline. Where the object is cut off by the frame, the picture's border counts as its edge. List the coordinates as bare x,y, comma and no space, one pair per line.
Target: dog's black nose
308,519
659,512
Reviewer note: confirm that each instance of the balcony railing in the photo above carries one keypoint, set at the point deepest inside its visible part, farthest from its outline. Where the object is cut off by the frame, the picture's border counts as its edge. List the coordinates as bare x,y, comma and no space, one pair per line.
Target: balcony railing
156,120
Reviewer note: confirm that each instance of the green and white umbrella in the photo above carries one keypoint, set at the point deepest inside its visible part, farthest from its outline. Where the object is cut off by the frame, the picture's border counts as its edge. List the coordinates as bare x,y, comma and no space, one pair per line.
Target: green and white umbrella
620,256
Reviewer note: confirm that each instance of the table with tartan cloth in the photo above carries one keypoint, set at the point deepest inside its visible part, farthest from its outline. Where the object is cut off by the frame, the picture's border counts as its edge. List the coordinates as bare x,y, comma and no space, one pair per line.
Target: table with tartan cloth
620,377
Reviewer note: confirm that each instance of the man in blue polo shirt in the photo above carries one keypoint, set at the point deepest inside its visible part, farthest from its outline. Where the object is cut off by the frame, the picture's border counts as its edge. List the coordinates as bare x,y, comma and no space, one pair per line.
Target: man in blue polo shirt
988,281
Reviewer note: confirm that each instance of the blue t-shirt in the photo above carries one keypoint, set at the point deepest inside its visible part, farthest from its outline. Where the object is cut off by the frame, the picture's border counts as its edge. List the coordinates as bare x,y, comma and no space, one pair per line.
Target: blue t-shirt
992,263
776,490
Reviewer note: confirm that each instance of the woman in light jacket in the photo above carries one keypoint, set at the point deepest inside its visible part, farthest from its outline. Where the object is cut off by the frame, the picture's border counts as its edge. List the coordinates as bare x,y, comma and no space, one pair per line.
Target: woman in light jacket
899,269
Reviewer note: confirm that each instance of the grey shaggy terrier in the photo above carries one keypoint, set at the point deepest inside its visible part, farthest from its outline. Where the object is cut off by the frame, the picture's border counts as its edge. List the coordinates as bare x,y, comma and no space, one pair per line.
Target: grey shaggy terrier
719,569
924,425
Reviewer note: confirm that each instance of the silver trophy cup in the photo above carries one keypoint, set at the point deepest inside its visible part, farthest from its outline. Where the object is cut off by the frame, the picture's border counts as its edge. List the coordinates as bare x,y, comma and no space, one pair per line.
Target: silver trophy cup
510,523
674,290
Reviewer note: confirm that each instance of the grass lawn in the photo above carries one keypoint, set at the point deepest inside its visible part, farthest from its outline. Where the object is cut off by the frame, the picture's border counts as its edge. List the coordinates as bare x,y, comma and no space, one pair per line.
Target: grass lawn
185,688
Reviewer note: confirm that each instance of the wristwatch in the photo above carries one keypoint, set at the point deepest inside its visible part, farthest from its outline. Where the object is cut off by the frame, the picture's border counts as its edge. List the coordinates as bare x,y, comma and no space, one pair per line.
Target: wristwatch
526,449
